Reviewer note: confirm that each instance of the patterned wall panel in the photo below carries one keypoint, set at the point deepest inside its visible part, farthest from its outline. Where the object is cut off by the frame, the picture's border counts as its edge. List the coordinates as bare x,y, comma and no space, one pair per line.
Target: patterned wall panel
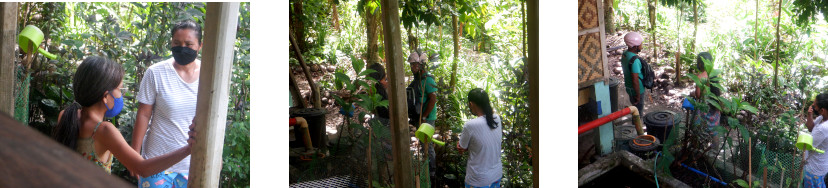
587,14
590,64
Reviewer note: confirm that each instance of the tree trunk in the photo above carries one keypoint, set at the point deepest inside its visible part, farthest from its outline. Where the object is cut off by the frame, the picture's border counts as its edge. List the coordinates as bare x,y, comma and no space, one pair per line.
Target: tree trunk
776,65
317,99
756,33
335,14
372,24
651,6
678,45
298,24
522,5
456,36
695,25
413,42
609,14
294,92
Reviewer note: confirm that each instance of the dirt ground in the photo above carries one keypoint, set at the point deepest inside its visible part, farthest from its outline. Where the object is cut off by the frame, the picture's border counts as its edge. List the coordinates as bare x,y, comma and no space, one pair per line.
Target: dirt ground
667,95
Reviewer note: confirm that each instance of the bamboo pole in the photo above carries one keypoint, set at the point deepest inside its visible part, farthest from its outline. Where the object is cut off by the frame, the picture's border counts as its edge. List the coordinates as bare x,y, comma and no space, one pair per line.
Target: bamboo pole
213,92
765,177
396,94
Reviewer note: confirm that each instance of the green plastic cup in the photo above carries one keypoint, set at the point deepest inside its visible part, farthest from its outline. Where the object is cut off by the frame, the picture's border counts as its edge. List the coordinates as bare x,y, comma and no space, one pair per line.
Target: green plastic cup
425,133
805,142
29,38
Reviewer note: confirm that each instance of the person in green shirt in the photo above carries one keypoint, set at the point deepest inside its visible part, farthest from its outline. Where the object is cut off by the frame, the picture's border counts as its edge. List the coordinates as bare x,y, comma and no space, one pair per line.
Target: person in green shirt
632,70
428,94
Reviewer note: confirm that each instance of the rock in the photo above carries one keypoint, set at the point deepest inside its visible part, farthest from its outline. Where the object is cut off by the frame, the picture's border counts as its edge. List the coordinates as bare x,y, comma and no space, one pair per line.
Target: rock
315,68
331,68
669,69
671,93
665,75
616,64
618,70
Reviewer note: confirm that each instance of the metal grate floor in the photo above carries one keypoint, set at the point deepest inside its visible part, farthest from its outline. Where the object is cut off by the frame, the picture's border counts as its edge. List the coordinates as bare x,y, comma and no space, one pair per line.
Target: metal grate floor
336,181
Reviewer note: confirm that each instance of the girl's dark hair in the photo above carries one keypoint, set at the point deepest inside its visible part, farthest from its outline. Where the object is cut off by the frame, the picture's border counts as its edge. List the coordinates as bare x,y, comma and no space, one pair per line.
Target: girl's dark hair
380,71
481,99
822,100
94,77
700,62
187,24
700,66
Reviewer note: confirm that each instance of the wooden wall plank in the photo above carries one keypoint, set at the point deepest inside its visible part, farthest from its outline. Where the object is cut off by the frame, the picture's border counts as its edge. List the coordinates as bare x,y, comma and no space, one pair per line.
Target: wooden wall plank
8,27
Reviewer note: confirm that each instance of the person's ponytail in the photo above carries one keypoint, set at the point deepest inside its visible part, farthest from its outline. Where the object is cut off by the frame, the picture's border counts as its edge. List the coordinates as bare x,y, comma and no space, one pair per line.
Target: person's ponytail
481,99
67,129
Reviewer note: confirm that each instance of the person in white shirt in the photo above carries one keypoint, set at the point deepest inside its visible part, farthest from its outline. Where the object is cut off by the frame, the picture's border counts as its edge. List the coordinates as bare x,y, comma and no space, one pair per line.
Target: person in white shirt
482,137
167,98
816,164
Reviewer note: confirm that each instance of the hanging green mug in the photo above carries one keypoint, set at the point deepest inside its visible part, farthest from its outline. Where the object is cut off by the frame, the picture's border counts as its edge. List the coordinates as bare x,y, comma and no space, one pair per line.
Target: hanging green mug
31,35
805,142
425,132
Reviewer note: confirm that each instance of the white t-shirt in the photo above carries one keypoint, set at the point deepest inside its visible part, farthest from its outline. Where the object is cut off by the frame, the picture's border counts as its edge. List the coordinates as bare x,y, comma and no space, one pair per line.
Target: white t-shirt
173,109
817,163
484,166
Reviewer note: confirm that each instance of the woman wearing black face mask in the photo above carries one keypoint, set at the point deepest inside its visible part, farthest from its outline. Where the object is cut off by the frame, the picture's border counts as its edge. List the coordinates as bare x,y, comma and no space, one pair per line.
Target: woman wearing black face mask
168,95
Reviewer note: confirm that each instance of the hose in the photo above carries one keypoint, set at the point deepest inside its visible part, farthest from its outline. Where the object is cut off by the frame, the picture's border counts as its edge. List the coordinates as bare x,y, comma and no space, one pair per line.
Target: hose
655,166
703,174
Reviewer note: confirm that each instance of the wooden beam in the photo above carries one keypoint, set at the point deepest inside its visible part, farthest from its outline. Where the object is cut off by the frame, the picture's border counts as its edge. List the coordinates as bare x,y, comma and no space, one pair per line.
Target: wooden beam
213,93
396,99
532,6
32,159
8,26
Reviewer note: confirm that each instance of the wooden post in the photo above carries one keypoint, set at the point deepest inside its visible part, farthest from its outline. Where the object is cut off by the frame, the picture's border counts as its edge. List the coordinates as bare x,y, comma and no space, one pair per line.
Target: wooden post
532,7
213,93
396,90
8,26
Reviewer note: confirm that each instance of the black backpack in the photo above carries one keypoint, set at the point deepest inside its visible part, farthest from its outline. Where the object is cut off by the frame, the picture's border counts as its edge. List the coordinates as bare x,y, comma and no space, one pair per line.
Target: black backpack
646,72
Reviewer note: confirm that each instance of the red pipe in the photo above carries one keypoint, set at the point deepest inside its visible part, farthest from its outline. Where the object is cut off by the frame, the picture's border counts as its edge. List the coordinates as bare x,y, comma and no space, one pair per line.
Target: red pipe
615,115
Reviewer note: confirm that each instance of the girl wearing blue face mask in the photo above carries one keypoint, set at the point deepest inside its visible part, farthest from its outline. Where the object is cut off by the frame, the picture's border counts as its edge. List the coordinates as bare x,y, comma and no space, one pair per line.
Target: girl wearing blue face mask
81,126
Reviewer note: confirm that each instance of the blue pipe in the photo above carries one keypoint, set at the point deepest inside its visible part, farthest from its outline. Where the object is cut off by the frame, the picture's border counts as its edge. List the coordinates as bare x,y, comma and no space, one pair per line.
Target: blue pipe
703,174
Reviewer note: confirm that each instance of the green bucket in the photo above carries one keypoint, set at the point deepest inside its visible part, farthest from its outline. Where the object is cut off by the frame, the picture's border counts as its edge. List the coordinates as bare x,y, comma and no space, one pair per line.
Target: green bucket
31,35
425,133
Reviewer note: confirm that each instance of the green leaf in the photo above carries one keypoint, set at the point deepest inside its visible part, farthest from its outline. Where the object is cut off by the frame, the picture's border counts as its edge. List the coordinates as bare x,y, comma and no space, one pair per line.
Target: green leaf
715,104
749,108
366,72
357,63
741,182
341,77
714,73
694,78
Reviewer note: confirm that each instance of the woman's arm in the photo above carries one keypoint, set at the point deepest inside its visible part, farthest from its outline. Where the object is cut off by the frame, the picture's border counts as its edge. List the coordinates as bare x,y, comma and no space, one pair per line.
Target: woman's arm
115,143
141,124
